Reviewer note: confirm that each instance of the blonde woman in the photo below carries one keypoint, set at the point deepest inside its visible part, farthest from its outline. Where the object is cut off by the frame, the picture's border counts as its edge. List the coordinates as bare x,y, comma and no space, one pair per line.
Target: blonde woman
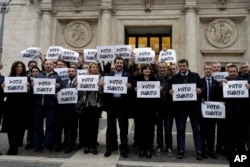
89,119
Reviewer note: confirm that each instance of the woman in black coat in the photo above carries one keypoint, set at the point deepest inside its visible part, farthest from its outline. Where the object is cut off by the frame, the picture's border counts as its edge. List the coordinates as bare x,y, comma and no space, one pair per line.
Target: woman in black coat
15,113
145,114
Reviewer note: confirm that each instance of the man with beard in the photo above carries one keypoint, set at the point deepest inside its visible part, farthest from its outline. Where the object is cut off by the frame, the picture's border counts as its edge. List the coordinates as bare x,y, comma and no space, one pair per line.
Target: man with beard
117,108
66,117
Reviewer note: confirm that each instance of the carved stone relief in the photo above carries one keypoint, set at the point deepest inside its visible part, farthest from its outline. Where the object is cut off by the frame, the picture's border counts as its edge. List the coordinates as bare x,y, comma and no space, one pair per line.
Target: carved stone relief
77,3
78,33
221,33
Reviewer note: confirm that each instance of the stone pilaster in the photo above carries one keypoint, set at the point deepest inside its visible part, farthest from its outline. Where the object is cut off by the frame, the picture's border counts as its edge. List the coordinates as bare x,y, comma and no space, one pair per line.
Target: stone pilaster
106,27
191,35
46,11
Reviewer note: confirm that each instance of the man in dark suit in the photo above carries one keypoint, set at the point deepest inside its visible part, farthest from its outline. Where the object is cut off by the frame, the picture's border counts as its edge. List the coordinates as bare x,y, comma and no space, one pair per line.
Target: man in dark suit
117,108
212,91
66,117
185,109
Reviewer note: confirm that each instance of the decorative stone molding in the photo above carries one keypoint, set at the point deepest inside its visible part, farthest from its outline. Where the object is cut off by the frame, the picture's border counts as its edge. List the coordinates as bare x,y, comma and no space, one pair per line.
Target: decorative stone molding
222,4
148,5
221,33
77,3
107,9
190,8
78,33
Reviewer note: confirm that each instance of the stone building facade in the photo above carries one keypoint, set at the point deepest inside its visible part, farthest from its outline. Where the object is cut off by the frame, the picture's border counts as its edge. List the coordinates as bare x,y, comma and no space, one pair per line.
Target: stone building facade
199,30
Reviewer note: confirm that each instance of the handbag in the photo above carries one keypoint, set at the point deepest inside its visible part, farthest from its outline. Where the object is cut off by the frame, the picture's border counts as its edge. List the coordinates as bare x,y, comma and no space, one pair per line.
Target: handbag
80,104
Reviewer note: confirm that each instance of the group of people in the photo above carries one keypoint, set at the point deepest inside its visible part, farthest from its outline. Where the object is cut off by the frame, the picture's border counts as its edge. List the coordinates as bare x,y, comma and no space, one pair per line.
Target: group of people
31,110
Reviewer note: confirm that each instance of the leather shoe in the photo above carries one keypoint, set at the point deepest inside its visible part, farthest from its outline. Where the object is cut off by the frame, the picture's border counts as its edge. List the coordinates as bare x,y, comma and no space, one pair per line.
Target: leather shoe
86,150
199,156
148,154
180,155
141,153
124,153
107,153
94,151
212,154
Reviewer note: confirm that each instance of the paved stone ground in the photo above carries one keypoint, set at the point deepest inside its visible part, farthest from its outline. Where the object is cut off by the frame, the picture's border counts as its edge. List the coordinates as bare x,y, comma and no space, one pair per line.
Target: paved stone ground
78,159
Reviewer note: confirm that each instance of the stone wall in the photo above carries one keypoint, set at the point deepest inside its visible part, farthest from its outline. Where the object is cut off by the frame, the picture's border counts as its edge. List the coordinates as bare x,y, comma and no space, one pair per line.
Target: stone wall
202,31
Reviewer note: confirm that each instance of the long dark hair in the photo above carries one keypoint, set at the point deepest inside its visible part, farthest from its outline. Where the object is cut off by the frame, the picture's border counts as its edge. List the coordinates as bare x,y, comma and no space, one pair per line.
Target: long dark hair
14,66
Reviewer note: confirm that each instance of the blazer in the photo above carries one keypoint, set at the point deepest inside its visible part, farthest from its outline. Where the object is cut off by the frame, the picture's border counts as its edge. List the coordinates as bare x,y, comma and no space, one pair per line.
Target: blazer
216,93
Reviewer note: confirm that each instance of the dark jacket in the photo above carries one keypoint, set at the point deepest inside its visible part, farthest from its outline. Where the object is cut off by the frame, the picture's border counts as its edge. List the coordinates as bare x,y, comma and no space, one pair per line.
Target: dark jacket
108,97
47,100
147,103
216,93
192,77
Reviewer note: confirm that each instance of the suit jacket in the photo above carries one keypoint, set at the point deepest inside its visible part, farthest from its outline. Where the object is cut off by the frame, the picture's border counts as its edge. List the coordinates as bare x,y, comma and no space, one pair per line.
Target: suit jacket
192,77
216,93
108,97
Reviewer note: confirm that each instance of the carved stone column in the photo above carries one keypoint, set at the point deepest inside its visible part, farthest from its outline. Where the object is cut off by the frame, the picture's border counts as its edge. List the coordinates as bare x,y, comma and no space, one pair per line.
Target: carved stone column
46,25
191,35
106,11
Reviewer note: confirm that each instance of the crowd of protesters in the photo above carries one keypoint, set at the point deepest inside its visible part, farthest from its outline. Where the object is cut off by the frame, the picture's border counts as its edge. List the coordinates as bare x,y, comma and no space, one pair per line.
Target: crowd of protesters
64,120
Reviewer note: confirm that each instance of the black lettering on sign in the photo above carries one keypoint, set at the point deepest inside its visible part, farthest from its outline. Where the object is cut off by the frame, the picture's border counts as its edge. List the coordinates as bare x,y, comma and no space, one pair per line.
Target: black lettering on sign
106,56
235,86
68,99
213,113
181,96
15,87
115,88
105,50
68,93
87,79
121,49
87,86
44,83
148,86
235,92
213,106
145,59
15,81
44,89
115,81
184,89
148,93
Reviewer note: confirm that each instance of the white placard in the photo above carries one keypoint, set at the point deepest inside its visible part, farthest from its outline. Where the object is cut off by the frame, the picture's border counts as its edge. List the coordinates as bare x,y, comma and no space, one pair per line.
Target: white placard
81,72
115,84
144,56
219,75
105,53
54,52
69,55
44,86
123,51
211,109
31,53
235,89
184,92
62,72
87,82
148,89
90,55
67,96
167,56
15,84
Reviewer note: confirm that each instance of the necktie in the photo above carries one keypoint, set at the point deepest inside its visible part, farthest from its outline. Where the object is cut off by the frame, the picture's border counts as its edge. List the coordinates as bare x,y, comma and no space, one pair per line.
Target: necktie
208,89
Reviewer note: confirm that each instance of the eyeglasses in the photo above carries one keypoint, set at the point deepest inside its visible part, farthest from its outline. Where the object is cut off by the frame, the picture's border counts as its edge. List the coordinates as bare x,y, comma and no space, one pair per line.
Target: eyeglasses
172,69
35,71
